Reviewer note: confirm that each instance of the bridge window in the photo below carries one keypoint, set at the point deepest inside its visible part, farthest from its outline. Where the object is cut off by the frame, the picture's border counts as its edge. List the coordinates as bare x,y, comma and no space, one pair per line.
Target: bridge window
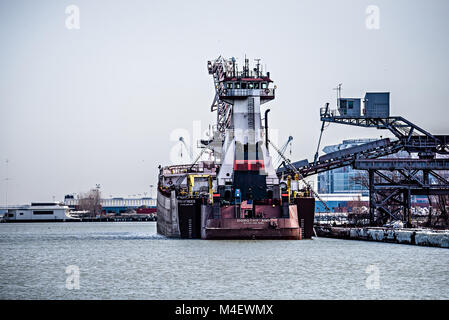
264,85
237,85
256,85
229,85
250,85
243,85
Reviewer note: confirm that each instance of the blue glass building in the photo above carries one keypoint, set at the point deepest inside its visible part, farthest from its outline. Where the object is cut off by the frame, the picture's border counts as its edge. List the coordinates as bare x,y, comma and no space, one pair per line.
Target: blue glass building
346,179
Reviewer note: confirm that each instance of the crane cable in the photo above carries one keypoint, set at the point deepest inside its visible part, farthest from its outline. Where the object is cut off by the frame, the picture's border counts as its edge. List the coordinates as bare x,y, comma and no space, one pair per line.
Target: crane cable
181,178
323,126
300,176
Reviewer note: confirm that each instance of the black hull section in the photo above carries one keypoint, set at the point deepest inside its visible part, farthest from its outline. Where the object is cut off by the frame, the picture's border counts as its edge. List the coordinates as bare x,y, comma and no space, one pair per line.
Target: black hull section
306,216
189,218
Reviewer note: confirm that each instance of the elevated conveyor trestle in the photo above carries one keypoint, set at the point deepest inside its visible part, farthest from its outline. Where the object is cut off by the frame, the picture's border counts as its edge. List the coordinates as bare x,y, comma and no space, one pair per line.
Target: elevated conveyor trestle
392,182
413,138
343,158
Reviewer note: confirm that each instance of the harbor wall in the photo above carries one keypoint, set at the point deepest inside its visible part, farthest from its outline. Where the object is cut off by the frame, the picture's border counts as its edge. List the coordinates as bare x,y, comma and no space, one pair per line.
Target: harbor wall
420,237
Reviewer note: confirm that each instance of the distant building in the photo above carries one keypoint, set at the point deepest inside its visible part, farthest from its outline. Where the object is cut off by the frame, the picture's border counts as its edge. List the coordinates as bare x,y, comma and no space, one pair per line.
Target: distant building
119,205
343,180
341,202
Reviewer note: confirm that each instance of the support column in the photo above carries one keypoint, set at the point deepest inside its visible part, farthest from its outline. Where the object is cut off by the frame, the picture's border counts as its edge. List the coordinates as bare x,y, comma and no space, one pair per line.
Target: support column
371,196
426,177
409,207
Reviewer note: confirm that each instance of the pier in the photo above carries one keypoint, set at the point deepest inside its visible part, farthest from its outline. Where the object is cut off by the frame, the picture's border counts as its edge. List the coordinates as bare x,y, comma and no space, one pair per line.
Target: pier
420,237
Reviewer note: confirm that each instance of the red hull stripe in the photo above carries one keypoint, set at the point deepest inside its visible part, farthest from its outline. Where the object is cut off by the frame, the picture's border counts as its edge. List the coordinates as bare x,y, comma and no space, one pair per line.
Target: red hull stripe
248,165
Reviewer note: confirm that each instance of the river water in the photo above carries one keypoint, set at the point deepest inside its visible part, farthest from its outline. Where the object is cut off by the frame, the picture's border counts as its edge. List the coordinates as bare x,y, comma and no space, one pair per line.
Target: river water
124,260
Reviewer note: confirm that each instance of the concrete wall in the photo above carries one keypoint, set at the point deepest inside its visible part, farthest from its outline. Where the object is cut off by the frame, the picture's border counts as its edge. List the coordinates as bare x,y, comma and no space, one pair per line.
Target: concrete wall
431,238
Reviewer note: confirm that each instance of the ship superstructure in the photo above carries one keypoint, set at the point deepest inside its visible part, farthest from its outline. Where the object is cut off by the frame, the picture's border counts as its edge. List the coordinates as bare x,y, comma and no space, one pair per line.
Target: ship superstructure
238,195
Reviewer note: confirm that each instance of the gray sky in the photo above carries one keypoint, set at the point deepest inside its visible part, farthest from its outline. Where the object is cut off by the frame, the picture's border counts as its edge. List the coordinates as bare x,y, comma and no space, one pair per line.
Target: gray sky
98,104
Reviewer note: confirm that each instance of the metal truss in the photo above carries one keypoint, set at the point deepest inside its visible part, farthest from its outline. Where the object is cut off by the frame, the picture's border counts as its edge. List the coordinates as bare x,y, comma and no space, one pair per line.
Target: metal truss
412,137
217,69
391,191
323,166
392,182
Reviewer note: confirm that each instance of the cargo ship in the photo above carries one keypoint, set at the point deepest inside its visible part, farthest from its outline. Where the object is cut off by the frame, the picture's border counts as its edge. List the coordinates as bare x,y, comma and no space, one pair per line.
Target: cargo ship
236,193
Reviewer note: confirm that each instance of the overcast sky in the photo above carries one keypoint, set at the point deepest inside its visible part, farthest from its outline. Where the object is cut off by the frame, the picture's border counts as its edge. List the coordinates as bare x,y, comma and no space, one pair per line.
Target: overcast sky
98,104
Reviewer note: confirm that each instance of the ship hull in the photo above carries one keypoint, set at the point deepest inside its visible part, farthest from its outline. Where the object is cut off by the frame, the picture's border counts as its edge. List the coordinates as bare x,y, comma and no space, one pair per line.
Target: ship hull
239,231
167,215
191,219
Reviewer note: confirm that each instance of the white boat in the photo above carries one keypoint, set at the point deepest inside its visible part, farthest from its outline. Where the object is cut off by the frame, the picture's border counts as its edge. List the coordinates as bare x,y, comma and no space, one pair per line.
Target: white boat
37,212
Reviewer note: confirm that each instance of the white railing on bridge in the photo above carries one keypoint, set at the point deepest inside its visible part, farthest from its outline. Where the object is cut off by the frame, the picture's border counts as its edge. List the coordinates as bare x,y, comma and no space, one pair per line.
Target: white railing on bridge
248,92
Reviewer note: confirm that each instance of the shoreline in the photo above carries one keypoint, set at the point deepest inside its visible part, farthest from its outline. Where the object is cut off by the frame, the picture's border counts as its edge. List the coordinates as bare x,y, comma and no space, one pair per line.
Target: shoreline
419,237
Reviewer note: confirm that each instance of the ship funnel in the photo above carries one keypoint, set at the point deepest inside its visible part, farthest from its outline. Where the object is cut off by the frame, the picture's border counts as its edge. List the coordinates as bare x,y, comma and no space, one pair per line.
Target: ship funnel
266,128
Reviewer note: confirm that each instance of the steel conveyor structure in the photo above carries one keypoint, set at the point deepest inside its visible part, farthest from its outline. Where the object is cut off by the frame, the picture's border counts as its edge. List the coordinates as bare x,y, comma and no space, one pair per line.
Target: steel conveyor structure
392,181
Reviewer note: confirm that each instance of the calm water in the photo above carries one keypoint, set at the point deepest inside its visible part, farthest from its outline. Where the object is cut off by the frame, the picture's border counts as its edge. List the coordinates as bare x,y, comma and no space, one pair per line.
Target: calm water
130,261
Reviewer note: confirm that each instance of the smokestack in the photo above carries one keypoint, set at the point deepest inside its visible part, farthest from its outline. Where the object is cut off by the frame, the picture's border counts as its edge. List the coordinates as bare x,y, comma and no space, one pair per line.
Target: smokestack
266,128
